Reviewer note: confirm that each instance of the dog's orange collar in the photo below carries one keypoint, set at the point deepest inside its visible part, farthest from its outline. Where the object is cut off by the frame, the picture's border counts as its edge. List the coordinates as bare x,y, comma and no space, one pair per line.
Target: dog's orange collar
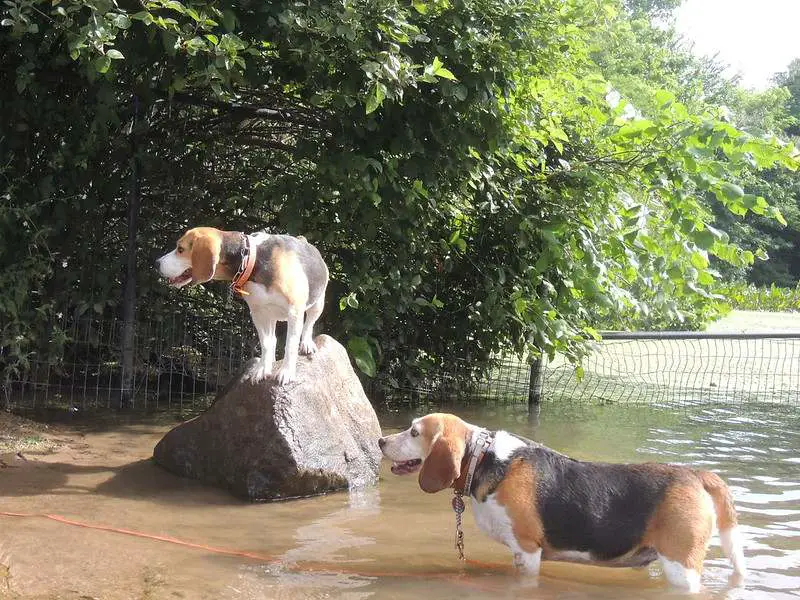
242,276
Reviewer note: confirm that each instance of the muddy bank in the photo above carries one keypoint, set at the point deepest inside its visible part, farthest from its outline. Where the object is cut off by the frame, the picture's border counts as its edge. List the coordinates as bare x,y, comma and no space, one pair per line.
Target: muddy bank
20,435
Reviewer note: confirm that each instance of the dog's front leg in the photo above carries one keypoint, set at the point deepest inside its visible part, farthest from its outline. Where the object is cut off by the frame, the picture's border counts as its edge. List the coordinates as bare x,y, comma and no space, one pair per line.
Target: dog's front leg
265,326
528,563
294,327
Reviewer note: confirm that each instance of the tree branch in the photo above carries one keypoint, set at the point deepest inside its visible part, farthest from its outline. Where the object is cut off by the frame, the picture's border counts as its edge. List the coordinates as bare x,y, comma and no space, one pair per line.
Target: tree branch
269,114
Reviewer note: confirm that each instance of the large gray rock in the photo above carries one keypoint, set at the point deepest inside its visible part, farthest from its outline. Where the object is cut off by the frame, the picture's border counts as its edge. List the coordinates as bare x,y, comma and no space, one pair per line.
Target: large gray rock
265,442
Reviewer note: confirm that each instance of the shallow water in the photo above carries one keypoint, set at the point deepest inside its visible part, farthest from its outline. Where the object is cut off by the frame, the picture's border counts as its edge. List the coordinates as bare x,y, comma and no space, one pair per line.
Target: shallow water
392,541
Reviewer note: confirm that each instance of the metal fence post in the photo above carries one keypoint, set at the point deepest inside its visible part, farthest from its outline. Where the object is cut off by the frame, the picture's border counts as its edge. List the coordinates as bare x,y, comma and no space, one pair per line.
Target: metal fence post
129,291
535,382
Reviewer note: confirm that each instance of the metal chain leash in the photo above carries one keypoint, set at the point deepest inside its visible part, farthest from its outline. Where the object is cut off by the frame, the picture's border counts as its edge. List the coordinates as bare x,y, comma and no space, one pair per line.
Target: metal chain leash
481,444
458,508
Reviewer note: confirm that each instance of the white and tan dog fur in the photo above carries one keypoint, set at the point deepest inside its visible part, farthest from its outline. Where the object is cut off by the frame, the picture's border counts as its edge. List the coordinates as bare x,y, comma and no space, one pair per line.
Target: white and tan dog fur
546,506
287,282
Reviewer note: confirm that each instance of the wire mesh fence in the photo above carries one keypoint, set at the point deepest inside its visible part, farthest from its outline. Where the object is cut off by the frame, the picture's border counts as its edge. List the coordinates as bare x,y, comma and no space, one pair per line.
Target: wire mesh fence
684,368
657,368
181,363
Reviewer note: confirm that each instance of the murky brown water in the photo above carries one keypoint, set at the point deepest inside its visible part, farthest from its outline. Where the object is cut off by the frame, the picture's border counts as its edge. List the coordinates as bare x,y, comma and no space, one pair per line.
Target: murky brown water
392,541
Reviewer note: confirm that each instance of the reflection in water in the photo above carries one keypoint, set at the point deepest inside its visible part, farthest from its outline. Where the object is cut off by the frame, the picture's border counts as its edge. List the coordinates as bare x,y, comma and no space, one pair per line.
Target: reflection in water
395,541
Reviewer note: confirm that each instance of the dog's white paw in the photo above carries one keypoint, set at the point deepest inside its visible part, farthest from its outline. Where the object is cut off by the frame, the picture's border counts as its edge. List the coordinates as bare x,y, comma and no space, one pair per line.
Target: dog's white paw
528,563
260,371
285,375
307,347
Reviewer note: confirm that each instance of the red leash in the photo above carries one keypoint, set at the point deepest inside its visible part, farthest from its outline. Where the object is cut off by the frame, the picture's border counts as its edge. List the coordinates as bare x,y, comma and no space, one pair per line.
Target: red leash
306,566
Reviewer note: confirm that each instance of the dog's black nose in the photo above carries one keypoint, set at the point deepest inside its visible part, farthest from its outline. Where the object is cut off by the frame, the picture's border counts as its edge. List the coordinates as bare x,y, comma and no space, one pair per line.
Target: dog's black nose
381,443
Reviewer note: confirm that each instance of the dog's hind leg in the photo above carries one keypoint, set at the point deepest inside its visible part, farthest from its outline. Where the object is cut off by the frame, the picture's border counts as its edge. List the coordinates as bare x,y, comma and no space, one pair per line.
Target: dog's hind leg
313,312
294,326
680,531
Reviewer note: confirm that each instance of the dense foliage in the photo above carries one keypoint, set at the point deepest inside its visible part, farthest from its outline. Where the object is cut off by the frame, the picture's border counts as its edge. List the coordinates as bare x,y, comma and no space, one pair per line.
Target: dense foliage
482,176
775,111
744,296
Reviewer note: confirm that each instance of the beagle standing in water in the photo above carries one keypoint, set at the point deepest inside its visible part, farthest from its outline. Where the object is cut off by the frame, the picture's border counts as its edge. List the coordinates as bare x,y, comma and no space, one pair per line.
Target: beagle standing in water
546,506
280,277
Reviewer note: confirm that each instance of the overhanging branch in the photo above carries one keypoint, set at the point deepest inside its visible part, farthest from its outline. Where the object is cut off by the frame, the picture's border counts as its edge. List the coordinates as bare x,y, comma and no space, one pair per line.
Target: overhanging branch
252,112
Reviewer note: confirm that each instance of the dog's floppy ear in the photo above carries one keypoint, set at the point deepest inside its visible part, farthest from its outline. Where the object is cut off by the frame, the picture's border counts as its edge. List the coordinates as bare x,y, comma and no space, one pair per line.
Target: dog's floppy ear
206,248
443,465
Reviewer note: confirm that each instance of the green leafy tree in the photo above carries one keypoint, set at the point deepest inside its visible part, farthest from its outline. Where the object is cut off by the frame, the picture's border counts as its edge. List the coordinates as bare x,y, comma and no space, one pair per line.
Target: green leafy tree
466,168
790,79
773,112
639,55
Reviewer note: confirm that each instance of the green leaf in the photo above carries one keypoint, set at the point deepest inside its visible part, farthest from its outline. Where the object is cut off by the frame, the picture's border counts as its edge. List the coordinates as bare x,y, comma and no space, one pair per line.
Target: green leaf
776,214
699,260
446,74
437,68
705,278
102,63
120,20
593,332
212,38
731,191
635,128
362,355
115,54
664,98
419,6
375,99
704,239
144,16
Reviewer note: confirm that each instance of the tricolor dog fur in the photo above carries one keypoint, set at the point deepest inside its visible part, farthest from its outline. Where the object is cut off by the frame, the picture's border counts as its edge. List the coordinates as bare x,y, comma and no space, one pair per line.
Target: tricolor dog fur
285,282
544,505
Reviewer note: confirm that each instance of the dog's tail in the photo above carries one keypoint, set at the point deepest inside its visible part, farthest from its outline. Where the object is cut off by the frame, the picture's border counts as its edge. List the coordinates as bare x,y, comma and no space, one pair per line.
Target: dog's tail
727,520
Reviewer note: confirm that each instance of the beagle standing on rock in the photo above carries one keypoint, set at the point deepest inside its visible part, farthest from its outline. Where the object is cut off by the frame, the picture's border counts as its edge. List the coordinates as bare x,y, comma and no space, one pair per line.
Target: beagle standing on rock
546,506
280,277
